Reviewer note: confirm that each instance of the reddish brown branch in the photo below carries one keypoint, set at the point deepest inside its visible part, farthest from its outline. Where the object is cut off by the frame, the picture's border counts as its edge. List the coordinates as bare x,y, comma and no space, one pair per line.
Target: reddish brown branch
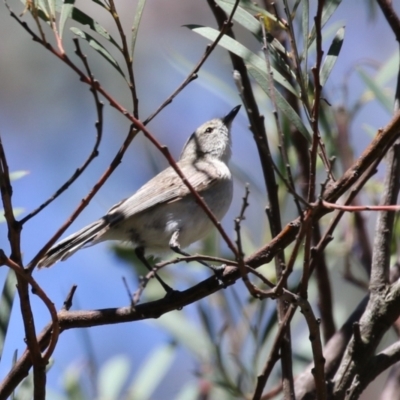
95,151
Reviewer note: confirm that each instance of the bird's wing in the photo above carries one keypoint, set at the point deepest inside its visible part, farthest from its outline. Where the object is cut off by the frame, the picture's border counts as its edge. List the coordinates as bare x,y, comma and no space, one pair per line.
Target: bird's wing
165,187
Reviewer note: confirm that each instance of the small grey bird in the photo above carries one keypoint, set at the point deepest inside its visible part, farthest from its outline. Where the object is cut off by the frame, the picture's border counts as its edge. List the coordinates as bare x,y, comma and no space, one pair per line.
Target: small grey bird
163,215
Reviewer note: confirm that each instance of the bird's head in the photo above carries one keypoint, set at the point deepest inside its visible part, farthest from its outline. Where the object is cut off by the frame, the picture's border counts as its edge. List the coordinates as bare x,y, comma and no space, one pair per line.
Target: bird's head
211,140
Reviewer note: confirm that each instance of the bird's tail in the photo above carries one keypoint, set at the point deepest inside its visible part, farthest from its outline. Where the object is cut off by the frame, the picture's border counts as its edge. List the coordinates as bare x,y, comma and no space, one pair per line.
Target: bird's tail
85,237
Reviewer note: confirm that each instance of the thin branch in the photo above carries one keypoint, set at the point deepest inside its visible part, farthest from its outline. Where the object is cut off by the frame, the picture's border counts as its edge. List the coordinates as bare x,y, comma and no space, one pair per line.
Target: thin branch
36,289
334,206
95,151
127,58
242,268
273,356
282,146
225,27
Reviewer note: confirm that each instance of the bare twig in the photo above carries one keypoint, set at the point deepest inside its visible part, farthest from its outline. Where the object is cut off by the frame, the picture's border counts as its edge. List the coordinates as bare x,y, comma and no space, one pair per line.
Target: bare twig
282,147
95,151
127,58
225,27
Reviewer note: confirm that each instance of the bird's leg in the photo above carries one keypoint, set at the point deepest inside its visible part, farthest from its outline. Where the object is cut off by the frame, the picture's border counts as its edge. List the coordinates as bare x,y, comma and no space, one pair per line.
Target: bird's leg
139,251
176,247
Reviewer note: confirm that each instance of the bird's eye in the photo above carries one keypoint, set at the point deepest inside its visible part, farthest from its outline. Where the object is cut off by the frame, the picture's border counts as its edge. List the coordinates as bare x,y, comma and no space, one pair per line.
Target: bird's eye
209,130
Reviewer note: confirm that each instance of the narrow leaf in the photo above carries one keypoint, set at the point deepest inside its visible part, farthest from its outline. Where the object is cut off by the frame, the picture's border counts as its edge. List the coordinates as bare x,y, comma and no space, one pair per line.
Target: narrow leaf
66,13
282,104
242,17
388,70
18,175
100,3
305,23
112,377
98,47
378,92
183,331
6,303
250,20
237,48
136,22
152,372
190,391
328,10
52,8
84,19
332,56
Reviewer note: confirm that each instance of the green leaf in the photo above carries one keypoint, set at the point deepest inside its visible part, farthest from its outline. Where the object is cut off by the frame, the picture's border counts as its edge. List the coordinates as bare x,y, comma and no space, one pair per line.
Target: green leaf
52,7
152,372
112,377
66,13
242,17
377,91
184,330
98,47
71,383
237,48
6,303
253,25
252,8
332,56
100,3
305,23
190,391
84,19
328,10
25,389
18,175
136,22
282,104
388,70
371,130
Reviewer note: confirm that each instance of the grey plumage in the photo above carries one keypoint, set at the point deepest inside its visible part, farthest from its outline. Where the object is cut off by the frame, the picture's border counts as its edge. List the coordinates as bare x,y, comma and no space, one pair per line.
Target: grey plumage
163,210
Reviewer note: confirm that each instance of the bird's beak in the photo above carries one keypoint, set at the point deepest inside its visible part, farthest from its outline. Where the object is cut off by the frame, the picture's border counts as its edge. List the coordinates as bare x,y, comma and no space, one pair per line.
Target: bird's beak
231,115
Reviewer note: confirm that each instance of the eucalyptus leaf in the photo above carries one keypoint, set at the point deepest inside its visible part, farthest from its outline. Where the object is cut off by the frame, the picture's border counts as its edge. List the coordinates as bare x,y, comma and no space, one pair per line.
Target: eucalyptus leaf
6,303
377,91
100,3
282,104
305,24
242,17
237,48
250,23
98,47
18,175
190,391
112,377
252,8
332,56
183,331
71,383
66,13
152,372
136,22
327,11
52,7
84,19
388,70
